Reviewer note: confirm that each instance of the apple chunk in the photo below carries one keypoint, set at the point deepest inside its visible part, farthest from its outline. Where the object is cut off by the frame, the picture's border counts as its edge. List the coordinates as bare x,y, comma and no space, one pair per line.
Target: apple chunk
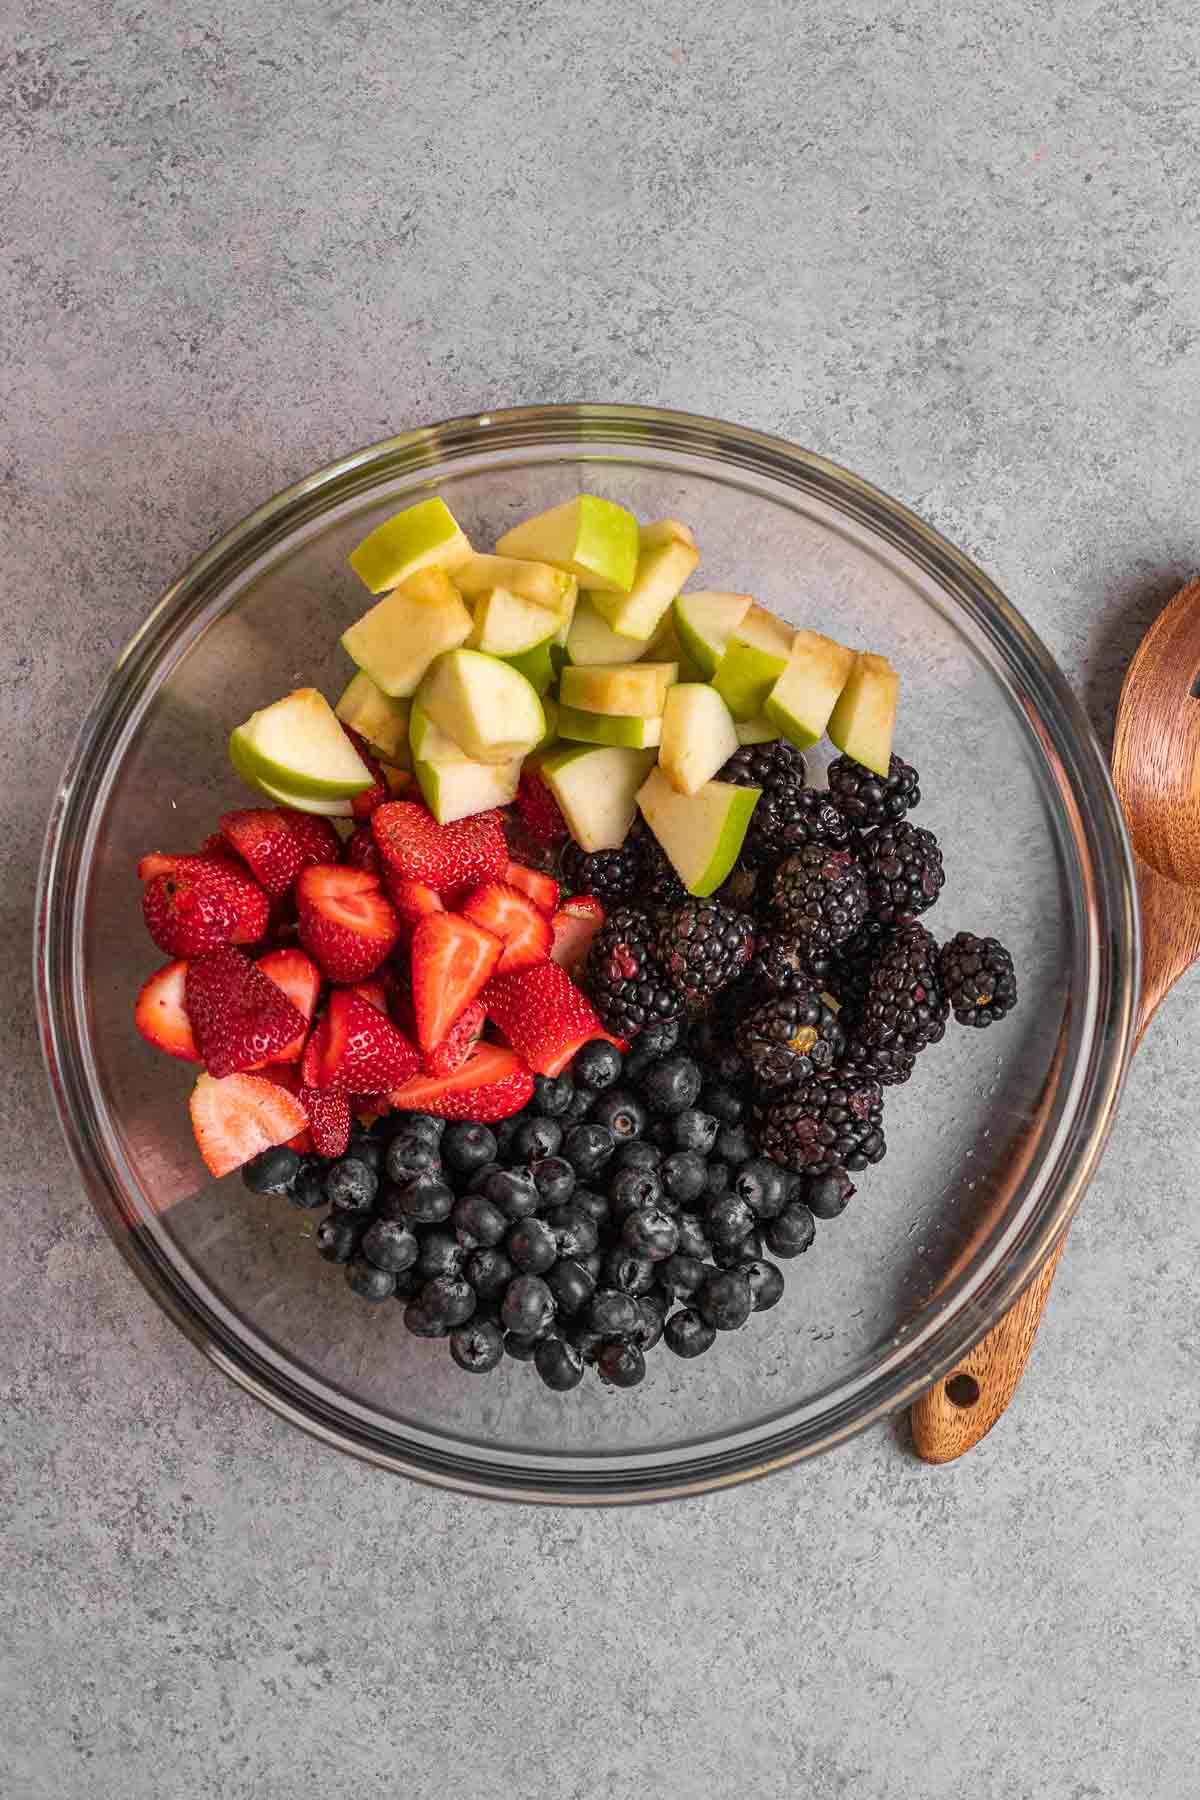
637,690
596,788
864,719
507,625
806,693
421,537
698,736
452,784
705,621
485,705
535,581
377,717
667,555
701,833
608,728
592,640
298,744
593,539
755,657
398,639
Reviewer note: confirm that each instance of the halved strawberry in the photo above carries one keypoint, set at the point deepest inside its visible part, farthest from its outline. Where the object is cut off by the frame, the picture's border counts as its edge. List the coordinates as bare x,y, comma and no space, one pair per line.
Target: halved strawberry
451,960
277,842
492,1084
240,1018
544,1016
195,903
300,979
510,915
542,889
441,856
367,800
374,993
160,1013
458,1042
346,924
362,852
412,901
286,1077
312,1063
363,1052
538,809
237,1117
575,925
328,1120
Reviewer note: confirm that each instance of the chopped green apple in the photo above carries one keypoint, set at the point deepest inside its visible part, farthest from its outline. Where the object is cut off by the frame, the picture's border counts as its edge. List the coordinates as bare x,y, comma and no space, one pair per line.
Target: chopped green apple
667,555
701,833
377,717
324,809
593,539
608,728
862,722
423,536
698,736
705,621
507,625
398,639
550,708
755,731
755,657
489,709
592,639
596,788
802,699
298,744
536,581
637,690
453,785
536,665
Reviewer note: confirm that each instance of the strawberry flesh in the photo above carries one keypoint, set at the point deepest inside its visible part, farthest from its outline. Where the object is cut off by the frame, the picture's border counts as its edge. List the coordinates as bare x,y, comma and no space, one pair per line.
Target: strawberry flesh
277,842
347,925
492,1084
417,848
452,958
457,1045
364,1052
575,924
544,1016
526,933
237,1117
160,1013
241,1020
542,889
329,1120
300,979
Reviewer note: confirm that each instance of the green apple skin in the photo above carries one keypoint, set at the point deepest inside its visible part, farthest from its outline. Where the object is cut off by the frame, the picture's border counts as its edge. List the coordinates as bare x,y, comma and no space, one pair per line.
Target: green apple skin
397,640
698,736
592,640
298,744
596,789
537,666
423,536
489,709
593,539
377,718
636,690
535,581
802,700
705,620
508,626
701,833
755,657
667,557
550,736
863,722
755,731
452,785
607,728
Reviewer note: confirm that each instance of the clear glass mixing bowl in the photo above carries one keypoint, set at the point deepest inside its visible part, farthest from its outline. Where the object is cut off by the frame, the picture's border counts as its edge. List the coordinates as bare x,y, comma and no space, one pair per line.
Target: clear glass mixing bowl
991,1145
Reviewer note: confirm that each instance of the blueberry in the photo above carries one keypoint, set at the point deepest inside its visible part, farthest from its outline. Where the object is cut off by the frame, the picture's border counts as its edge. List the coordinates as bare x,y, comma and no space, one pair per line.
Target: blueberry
651,1046
448,1300
527,1307
308,1189
559,1364
593,1204
427,1200
623,1365
683,1176
622,1112
763,1185
724,1102
536,1137
572,1286
694,1130
693,1239
716,1179
351,1185
766,1284
364,1147
440,1254
636,1155
368,1282
418,1321
489,1273
733,1144
727,1219
649,1328
574,1230
587,1148
554,1179
521,1349
390,1246
514,1191
532,1246
338,1235
598,1064
613,1313
579,1108
725,1300
271,1171
672,1084
792,1232
552,1095
478,1222
477,1181
409,1283
628,1272
631,1189
426,1125
410,1155
467,1146
650,1232
681,1275
503,1132
826,1195
687,1334
477,1347
584,1337
593,1263
660,1133
735,1256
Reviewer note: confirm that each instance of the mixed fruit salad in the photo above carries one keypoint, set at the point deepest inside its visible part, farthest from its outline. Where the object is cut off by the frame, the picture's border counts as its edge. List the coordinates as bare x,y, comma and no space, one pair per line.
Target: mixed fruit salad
543,970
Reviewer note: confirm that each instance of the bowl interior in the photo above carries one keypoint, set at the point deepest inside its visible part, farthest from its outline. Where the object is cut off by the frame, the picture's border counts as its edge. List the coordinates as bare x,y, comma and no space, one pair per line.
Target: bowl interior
983,1143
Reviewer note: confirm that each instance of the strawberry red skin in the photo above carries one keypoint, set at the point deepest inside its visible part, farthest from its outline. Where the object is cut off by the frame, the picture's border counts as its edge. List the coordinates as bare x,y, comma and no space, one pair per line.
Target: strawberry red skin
575,924
544,1016
542,889
510,914
362,852
240,1018
160,1013
451,960
347,925
367,800
237,1117
364,1052
457,1045
277,843
300,979
417,848
201,902
492,1084
328,1120
538,809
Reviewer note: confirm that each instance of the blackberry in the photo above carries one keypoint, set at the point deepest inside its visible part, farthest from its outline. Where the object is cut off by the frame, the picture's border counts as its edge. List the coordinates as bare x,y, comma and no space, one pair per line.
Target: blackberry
623,977
701,947
866,799
777,769
904,1009
658,883
903,868
825,1125
791,1038
740,889
847,972
778,966
612,875
819,896
978,979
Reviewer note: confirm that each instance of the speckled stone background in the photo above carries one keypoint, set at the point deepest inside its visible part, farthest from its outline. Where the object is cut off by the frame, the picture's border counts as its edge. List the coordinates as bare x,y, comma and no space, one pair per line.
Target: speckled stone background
953,245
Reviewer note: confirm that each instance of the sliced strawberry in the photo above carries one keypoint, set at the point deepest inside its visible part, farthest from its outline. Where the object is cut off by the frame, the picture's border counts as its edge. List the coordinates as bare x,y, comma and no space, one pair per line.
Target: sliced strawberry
346,924
374,993
412,901
538,809
458,1042
160,1013
575,925
312,1063
300,979
510,915
364,1052
277,842
367,800
492,1084
542,889
213,845
240,1017
451,960
197,902
284,1074
362,852
239,1116
544,1016
328,1120
441,856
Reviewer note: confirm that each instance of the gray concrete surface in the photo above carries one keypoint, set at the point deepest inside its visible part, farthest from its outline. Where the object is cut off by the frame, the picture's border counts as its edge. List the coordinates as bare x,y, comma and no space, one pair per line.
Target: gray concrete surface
954,245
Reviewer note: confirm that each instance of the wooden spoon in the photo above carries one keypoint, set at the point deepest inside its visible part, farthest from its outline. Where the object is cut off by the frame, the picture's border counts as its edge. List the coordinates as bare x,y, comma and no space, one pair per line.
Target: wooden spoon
1156,767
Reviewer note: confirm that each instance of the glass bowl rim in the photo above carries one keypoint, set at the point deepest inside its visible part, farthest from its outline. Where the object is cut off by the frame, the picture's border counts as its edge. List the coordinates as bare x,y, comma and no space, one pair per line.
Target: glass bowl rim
966,1305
